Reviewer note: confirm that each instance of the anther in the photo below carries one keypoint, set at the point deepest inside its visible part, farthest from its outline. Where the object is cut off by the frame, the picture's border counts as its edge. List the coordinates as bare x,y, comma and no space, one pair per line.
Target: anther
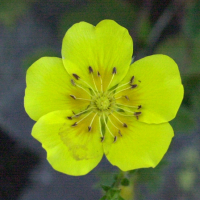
137,113
132,79
126,97
89,128
125,125
114,70
72,82
133,86
75,124
120,133
115,139
69,118
98,74
90,69
139,107
102,139
72,96
76,76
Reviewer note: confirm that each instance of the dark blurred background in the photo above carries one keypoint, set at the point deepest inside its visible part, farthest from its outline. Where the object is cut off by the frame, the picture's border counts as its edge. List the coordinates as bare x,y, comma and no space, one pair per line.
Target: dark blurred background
30,30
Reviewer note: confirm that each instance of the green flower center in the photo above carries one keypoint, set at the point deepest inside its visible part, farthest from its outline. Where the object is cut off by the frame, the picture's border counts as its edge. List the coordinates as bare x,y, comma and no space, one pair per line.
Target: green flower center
103,102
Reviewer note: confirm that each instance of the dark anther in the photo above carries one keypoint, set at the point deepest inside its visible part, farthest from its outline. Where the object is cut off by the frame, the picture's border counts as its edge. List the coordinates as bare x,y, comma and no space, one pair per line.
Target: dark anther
102,139
139,81
69,118
72,82
133,86
115,139
120,133
72,96
76,76
126,97
137,113
132,79
98,74
125,125
75,124
139,107
90,69
89,128
114,70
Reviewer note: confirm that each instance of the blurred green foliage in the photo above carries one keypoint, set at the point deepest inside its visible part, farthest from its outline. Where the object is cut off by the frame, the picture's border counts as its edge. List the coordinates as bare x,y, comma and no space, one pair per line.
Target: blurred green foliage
10,11
95,11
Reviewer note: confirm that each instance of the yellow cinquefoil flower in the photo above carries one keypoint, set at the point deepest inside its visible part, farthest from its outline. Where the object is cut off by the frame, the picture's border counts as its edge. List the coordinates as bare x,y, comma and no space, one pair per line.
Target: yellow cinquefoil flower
94,101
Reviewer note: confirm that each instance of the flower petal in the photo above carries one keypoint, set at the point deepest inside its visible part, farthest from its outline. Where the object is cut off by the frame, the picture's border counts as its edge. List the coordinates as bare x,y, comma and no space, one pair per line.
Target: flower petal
159,90
140,146
103,47
71,150
49,88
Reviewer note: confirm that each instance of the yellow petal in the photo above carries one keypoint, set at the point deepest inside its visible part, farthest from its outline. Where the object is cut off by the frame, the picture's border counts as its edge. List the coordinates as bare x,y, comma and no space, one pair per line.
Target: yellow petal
159,90
49,88
103,47
140,146
71,150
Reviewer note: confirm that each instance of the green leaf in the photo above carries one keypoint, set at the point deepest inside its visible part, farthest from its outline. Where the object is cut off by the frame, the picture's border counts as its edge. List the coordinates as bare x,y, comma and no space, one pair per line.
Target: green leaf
105,187
125,182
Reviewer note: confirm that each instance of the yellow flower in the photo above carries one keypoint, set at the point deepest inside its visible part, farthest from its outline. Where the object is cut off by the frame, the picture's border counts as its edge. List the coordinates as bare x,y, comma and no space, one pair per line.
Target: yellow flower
94,101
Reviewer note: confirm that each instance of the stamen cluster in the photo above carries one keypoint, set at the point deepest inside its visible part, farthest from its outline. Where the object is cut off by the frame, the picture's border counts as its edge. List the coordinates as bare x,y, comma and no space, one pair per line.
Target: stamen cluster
104,103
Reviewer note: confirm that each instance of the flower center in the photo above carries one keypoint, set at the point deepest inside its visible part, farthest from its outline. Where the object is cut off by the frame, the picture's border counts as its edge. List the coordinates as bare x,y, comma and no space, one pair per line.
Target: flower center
103,102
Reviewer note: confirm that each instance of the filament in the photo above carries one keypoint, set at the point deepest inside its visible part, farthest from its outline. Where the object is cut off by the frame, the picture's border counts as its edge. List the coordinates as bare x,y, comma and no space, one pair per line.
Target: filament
88,85
107,126
84,118
84,90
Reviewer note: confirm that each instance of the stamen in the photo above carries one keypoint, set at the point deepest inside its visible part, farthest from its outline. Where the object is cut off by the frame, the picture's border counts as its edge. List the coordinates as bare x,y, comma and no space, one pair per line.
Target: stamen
107,126
84,90
124,124
88,85
131,87
132,79
112,123
127,105
79,98
120,133
137,113
77,115
76,76
69,118
99,75
72,96
115,139
102,137
113,72
134,86
72,82
90,70
90,126
83,99
76,123
139,107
